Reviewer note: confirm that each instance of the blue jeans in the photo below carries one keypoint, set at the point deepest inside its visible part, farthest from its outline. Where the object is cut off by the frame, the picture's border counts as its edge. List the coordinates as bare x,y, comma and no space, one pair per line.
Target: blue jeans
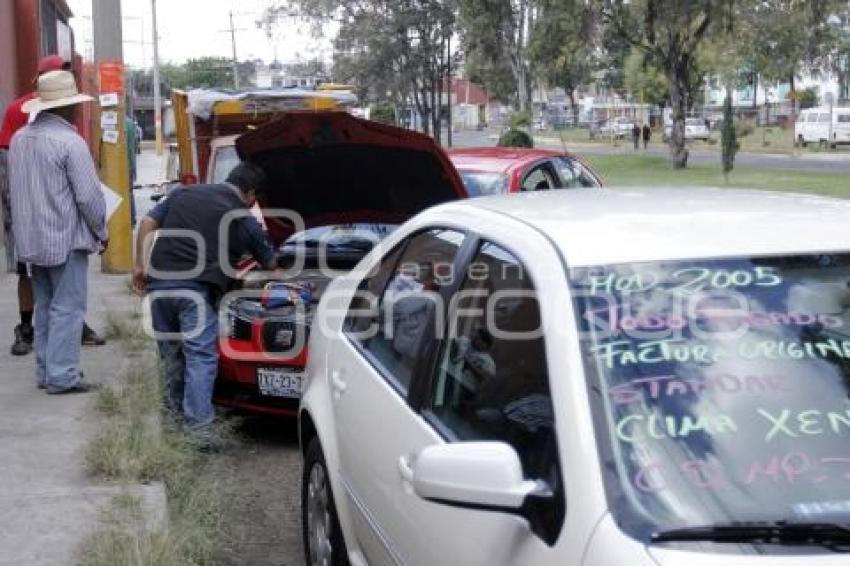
189,355
60,306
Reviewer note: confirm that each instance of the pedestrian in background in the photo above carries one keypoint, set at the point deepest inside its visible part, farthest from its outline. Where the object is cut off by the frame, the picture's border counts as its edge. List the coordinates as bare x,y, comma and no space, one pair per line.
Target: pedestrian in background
183,311
13,120
647,135
636,136
58,219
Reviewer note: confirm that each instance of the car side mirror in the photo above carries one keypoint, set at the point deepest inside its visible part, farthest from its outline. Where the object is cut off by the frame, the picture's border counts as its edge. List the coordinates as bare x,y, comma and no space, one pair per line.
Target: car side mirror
156,197
477,475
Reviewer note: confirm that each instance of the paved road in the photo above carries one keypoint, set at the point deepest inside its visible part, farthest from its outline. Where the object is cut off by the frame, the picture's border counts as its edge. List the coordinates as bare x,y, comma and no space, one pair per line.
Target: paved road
260,478
824,162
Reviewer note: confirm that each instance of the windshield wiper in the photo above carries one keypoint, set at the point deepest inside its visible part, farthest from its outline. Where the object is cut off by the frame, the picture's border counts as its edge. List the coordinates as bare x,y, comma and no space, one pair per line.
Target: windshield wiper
777,532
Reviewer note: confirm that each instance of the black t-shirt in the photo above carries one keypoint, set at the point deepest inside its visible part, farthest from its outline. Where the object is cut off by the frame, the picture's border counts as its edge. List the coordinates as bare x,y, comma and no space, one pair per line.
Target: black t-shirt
193,217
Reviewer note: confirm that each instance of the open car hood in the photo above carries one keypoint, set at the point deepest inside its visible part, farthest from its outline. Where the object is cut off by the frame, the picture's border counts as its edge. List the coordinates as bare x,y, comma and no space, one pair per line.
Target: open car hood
334,168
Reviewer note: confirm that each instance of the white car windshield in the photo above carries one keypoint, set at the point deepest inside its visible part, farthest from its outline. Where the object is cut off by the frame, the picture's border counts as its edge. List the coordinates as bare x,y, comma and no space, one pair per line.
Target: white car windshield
339,236
720,388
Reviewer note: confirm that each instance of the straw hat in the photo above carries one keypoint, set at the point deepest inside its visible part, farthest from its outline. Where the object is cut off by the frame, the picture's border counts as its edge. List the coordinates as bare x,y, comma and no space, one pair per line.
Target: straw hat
55,89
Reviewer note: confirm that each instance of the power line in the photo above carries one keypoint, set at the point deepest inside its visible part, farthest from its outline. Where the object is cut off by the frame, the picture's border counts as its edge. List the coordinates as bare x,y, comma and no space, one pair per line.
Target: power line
232,31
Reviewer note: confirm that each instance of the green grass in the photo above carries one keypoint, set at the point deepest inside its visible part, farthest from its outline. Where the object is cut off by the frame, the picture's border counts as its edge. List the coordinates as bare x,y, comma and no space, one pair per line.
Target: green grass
762,140
133,445
126,328
652,171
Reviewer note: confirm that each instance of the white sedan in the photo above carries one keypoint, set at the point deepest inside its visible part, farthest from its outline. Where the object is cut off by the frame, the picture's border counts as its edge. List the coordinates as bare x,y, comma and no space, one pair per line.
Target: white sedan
586,378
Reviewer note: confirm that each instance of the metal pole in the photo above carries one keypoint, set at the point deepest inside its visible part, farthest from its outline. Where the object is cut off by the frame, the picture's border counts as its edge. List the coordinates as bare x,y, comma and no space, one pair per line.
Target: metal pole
235,60
451,87
157,95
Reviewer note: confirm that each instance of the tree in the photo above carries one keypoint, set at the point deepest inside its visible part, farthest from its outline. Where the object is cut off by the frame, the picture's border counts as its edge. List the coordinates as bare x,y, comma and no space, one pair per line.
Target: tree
495,75
395,49
728,136
499,32
562,51
787,36
839,54
207,72
808,98
669,33
642,75
382,112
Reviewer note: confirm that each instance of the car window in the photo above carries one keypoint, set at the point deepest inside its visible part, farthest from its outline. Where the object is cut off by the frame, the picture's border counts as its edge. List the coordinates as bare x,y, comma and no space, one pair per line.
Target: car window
393,312
480,183
813,118
573,174
492,381
226,159
823,118
539,179
844,118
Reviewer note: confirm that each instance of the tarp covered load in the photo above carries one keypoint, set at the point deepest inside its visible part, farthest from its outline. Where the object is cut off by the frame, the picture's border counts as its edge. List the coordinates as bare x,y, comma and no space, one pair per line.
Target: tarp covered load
202,102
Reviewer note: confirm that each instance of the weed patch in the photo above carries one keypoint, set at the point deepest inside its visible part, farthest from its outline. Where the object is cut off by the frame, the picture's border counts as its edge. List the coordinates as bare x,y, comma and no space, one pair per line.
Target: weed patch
135,445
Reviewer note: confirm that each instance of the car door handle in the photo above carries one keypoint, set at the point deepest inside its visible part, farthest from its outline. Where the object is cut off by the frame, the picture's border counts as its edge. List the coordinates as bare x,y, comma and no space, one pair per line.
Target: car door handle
405,469
337,382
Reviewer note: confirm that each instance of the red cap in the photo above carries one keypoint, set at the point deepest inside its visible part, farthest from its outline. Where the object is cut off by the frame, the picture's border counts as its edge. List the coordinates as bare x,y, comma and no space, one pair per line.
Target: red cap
52,63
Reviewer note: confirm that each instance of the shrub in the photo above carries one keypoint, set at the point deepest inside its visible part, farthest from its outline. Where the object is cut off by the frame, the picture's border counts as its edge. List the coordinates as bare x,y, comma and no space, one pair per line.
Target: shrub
515,138
519,120
808,98
382,112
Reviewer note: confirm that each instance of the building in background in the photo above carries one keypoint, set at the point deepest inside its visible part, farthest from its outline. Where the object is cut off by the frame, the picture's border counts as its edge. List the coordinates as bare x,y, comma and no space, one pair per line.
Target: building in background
29,30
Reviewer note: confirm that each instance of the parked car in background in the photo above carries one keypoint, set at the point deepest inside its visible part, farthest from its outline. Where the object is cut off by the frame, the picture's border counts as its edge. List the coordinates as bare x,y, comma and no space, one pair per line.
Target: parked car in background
686,404
497,170
824,126
352,182
618,127
695,129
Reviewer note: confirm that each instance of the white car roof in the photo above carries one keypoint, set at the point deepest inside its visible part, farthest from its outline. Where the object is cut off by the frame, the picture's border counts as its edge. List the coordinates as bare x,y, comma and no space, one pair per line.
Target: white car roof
602,226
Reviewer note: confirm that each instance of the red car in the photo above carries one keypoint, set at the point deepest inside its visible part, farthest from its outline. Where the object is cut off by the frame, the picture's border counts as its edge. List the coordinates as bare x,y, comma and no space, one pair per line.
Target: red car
352,181
497,170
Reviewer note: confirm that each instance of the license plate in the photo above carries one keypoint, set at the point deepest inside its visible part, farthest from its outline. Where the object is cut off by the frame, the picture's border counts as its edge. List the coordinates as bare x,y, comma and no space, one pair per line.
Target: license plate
279,382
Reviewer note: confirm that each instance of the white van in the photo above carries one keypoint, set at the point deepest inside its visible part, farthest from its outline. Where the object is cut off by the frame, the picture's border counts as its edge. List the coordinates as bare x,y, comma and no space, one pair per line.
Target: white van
816,125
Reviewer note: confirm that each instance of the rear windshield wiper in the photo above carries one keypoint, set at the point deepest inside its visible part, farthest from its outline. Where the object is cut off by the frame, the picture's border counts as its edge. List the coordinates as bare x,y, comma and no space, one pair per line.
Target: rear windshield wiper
777,532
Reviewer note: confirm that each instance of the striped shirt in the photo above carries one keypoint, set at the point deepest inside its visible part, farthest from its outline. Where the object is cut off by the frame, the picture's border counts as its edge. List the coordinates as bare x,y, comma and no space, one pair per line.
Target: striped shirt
57,204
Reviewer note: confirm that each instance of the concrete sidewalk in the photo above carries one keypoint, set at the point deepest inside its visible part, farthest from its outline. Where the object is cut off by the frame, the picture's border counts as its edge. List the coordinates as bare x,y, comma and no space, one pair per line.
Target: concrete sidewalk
47,503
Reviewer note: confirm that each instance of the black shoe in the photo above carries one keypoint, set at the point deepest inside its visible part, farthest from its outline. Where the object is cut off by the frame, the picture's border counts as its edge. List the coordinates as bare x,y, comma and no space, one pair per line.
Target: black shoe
23,340
91,338
79,388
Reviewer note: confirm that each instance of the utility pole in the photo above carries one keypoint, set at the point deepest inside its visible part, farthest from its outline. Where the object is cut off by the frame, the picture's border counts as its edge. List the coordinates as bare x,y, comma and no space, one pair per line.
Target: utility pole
235,60
157,95
110,130
451,88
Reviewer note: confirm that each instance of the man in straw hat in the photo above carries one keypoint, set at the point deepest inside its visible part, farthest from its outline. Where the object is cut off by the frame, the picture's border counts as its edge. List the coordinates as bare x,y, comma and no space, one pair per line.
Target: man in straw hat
13,120
59,218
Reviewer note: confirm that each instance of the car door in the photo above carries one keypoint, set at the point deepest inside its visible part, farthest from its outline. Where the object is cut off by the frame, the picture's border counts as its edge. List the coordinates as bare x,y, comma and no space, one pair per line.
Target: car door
473,382
385,339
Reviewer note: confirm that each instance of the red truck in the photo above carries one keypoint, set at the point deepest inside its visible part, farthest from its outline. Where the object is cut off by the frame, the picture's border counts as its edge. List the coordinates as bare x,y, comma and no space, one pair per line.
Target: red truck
350,182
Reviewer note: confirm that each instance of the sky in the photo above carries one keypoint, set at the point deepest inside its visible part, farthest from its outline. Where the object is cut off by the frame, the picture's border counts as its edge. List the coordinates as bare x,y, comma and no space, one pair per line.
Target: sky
197,28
